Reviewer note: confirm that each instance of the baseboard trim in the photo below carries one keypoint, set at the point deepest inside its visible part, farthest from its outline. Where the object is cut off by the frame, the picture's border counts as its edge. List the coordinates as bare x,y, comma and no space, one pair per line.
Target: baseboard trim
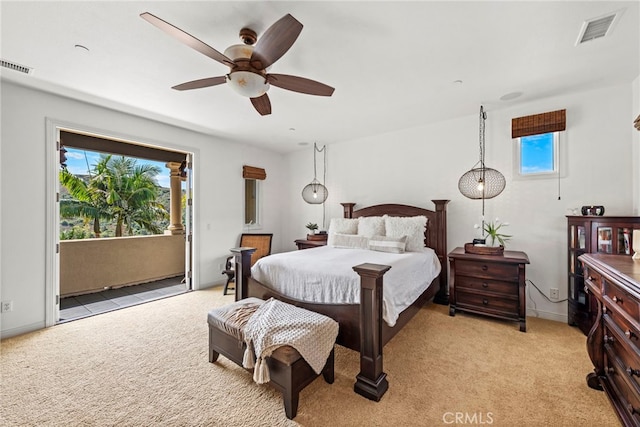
532,312
8,333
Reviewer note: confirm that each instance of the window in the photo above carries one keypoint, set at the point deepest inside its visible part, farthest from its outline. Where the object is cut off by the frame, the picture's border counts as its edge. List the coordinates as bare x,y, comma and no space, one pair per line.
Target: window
537,155
538,151
252,176
251,199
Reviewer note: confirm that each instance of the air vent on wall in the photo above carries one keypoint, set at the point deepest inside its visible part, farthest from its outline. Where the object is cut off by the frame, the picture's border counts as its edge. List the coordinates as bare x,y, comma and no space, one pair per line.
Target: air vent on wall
15,67
597,27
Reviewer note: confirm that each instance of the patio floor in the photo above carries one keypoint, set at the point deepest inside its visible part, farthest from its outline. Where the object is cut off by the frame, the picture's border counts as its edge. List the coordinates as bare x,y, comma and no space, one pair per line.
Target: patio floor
77,307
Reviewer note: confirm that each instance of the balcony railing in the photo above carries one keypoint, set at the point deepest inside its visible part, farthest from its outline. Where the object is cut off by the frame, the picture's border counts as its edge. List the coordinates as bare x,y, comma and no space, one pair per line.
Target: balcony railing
91,265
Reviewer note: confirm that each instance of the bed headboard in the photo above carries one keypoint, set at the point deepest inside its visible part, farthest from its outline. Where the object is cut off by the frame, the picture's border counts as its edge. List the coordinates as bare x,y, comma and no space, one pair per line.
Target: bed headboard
435,236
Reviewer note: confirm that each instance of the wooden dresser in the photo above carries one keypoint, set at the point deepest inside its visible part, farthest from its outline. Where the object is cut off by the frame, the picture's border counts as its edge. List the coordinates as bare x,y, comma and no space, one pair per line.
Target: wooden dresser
493,285
613,343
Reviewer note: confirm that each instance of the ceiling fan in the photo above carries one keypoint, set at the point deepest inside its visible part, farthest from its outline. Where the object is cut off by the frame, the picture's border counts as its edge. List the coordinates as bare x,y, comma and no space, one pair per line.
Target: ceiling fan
248,63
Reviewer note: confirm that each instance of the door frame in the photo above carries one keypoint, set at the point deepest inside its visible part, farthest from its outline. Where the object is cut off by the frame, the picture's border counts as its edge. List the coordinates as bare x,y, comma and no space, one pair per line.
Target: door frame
52,226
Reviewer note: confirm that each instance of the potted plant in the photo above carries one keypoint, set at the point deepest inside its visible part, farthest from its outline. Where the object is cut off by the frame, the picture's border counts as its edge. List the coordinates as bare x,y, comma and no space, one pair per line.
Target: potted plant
494,237
312,226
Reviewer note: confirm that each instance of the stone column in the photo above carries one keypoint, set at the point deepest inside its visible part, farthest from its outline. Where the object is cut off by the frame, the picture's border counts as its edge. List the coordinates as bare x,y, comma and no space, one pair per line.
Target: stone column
175,193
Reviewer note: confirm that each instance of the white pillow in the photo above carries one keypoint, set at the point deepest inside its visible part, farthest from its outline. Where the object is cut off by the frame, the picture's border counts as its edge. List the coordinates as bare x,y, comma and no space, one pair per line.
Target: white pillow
370,226
394,245
350,241
413,227
342,226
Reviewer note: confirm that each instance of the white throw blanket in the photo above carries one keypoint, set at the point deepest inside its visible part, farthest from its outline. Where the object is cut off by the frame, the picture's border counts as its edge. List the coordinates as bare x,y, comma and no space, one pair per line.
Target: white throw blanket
275,324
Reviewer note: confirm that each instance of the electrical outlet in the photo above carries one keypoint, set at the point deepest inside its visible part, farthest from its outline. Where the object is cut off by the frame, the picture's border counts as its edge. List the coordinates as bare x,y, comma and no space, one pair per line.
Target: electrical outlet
554,293
6,306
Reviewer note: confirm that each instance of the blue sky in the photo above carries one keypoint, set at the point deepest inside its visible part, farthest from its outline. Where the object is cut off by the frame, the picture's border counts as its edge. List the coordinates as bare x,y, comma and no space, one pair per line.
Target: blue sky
536,153
77,164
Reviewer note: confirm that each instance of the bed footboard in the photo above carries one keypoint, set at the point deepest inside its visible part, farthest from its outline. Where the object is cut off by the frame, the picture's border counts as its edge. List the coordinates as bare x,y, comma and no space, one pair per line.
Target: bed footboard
371,382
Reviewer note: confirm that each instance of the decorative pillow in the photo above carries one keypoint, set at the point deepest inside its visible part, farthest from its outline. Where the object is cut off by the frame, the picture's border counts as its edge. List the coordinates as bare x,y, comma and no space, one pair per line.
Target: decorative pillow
413,227
395,245
350,241
370,226
342,226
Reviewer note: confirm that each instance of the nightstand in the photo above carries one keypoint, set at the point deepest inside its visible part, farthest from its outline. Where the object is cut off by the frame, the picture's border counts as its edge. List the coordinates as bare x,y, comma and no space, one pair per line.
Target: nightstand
491,285
308,244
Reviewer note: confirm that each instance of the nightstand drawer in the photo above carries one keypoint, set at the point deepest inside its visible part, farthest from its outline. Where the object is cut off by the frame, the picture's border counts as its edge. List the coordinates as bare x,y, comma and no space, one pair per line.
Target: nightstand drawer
487,269
485,303
464,283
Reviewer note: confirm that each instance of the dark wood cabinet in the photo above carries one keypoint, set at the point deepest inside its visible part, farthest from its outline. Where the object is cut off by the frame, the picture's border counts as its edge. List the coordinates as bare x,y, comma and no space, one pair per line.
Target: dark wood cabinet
613,344
493,285
593,234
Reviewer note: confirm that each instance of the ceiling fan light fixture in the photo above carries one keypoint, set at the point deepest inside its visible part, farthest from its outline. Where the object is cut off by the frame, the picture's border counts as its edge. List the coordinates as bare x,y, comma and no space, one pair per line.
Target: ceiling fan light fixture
239,52
248,84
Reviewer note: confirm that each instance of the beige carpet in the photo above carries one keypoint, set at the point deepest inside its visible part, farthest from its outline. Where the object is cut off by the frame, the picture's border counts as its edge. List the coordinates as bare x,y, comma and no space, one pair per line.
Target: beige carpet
147,366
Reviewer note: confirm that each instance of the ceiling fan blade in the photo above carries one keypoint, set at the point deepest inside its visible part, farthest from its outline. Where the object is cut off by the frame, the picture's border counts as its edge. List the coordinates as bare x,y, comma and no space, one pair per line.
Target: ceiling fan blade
262,104
186,38
197,84
275,42
300,84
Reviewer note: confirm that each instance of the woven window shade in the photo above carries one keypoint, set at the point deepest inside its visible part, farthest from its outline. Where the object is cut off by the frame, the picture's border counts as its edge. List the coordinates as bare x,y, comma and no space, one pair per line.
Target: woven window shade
536,124
636,123
250,172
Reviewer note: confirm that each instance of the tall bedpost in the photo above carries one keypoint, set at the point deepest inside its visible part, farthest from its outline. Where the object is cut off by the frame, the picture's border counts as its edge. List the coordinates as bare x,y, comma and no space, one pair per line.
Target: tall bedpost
242,260
442,297
371,382
348,209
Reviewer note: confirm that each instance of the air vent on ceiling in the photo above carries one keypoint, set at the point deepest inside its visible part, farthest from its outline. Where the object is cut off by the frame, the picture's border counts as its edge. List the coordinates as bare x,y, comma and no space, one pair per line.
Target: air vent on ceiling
15,67
597,27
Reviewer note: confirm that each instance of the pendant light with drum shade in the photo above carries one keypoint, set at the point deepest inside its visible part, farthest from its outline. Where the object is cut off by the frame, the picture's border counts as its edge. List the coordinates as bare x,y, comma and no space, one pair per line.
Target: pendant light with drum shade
315,193
481,182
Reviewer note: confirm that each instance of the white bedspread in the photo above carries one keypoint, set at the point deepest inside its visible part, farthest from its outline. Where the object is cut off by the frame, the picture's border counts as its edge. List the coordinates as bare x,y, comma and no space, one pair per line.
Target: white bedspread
325,274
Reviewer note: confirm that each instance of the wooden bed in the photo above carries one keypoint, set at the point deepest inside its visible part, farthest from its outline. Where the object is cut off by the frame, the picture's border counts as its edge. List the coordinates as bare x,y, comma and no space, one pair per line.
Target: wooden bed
362,327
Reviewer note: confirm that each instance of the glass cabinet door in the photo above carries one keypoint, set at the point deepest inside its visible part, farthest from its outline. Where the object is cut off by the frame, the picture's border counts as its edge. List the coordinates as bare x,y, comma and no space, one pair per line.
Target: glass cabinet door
605,240
578,238
624,241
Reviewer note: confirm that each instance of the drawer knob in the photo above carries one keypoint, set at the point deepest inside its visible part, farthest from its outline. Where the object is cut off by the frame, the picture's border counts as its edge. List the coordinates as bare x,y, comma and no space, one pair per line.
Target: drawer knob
590,278
631,409
485,268
610,370
485,285
633,372
617,300
485,301
608,339
630,334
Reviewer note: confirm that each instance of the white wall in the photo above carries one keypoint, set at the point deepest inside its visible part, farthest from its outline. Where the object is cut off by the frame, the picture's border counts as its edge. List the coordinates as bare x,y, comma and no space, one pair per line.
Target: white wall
218,191
413,166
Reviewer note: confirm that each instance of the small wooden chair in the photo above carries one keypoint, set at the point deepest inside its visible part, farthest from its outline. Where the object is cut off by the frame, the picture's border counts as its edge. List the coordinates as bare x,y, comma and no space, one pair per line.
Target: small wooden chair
262,243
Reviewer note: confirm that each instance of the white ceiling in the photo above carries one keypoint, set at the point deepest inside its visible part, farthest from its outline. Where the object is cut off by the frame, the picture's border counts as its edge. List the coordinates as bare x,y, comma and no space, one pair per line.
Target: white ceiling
393,64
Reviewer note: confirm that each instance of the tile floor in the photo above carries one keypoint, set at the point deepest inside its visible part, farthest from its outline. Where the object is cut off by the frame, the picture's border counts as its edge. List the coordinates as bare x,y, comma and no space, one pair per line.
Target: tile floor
73,308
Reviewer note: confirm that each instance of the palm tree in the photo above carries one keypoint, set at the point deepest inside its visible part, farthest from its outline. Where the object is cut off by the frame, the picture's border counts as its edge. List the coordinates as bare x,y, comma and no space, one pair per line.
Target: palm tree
88,202
119,189
130,191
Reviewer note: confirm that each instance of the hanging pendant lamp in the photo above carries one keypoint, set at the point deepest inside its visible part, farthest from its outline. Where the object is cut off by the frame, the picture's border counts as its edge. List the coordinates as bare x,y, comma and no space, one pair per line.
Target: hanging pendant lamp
315,193
481,182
